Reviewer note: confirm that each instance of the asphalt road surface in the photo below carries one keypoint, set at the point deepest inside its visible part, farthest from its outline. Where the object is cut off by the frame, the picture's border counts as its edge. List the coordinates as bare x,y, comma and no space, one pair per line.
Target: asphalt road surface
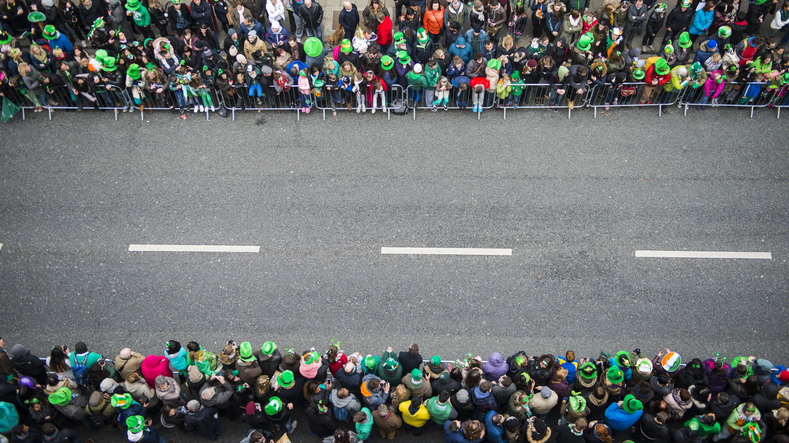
573,200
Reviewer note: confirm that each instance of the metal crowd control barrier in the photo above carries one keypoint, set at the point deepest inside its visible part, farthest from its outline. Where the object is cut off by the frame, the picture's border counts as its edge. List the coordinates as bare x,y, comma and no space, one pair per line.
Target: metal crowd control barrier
635,94
22,101
538,96
743,95
412,93
271,100
322,100
782,99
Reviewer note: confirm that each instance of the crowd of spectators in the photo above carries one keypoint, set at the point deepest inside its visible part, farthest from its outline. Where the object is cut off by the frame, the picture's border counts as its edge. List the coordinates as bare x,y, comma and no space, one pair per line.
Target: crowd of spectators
354,397
212,54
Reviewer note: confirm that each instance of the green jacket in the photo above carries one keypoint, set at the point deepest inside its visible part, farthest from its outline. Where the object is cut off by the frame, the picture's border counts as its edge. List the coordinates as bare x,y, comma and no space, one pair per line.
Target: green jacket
141,16
395,379
438,413
418,81
432,75
705,430
363,429
92,358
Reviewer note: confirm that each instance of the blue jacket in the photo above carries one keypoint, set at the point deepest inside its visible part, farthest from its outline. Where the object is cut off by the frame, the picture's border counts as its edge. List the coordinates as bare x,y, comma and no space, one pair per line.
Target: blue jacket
457,436
483,401
701,21
571,369
274,39
373,398
243,31
62,43
495,433
619,419
465,53
483,37
351,381
179,361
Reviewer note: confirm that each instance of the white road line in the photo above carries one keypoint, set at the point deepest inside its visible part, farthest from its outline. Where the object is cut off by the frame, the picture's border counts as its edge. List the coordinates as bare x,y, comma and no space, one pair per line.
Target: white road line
446,251
705,254
192,248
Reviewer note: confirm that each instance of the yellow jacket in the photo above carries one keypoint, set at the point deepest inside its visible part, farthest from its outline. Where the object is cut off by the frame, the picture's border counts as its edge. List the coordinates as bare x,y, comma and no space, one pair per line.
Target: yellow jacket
416,420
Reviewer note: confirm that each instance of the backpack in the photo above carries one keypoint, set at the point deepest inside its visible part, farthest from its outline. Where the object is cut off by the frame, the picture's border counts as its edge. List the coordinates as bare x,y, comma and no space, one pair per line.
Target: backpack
80,370
341,414
398,107
97,418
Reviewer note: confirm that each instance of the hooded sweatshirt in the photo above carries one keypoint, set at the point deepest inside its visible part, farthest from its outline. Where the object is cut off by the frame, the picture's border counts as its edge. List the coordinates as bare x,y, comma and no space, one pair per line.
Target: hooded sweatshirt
495,367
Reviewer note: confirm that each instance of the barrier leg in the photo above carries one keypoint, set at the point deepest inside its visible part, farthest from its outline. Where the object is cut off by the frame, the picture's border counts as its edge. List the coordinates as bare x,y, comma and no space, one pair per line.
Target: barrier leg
595,111
49,112
234,114
752,111
505,113
115,110
779,112
569,113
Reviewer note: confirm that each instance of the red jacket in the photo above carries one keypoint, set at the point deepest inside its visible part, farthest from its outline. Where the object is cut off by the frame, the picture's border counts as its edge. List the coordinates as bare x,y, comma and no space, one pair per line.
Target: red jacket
384,32
651,75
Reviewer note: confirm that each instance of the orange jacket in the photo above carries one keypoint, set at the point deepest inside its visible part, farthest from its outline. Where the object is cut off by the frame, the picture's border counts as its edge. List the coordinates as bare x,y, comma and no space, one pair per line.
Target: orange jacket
434,20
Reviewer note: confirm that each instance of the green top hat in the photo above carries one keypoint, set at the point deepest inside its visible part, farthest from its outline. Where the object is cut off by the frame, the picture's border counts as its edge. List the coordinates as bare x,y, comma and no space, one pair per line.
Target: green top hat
661,66
268,348
285,379
36,17
108,64
585,42
313,47
399,37
61,397
273,406
346,46
724,32
50,33
638,74
615,375
387,63
684,40
4,38
134,71
245,352
421,36
135,424
133,5
403,57
494,63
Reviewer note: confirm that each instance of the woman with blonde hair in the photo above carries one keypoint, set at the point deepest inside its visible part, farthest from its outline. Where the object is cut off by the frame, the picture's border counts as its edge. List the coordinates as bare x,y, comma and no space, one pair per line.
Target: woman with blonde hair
139,389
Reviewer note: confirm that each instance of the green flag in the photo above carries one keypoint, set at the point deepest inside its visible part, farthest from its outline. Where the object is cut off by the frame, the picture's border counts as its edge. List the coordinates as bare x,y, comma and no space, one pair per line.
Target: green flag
9,110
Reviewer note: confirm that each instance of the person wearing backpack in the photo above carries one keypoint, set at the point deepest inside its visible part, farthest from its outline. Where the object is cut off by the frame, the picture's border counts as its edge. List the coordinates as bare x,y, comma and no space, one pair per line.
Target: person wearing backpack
345,404
82,359
100,410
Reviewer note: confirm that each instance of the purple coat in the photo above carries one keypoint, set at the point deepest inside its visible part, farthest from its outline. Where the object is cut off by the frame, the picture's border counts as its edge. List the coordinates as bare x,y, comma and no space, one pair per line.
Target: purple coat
717,384
495,367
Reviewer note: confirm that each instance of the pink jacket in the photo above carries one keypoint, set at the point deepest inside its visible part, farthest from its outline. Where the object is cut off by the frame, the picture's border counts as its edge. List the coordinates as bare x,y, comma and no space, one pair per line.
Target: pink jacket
155,365
712,88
